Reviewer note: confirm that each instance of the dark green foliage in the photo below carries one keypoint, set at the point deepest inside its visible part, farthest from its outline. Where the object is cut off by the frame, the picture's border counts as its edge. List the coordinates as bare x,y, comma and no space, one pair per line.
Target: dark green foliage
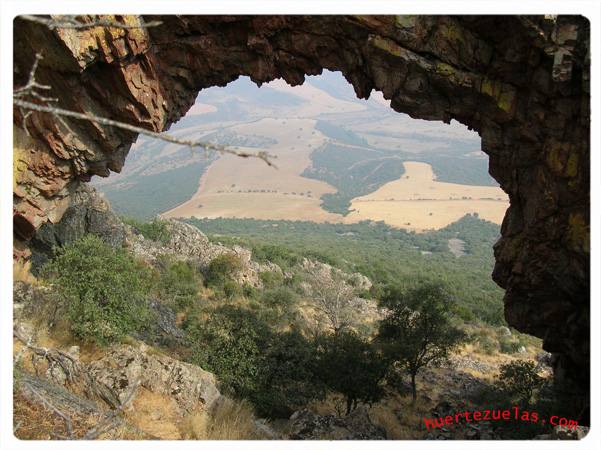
280,305
417,329
276,254
508,345
229,343
519,380
275,371
353,171
350,365
231,289
155,230
385,254
271,279
339,133
288,378
460,169
104,289
178,283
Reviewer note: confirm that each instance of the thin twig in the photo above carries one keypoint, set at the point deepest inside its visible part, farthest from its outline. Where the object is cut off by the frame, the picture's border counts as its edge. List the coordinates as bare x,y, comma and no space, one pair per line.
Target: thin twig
70,22
60,112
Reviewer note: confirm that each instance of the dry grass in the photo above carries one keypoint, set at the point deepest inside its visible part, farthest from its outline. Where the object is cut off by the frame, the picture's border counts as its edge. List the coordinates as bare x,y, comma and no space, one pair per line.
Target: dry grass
228,420
395,413
22,272
31,421
156,414
399,417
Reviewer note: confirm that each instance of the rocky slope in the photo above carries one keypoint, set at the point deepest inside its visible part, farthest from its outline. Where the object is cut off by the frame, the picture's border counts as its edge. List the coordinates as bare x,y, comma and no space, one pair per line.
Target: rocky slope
90,213
522,82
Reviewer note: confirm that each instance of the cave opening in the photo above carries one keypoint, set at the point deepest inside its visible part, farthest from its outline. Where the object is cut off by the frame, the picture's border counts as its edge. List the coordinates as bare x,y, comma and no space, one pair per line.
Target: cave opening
527,100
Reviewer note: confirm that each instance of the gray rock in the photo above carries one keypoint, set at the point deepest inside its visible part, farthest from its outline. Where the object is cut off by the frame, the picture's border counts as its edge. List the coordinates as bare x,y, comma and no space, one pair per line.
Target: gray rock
125,365
307,425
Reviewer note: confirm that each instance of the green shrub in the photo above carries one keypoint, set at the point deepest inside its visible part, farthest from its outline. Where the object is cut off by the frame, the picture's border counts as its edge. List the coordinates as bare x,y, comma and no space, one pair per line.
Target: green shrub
509,345
275,371
229,343
155,230
178,283
519,380
231,289
288,380
271,279
104,289
488,345
249,291
276,254
222,268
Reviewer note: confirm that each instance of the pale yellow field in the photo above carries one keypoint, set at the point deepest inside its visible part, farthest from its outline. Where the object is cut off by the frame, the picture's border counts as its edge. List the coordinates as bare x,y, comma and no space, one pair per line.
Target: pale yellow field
219,187
417,201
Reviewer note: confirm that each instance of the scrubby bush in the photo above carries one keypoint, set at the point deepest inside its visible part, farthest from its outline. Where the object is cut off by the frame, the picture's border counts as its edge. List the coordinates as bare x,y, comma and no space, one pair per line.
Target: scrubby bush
223,268
231,289
178,283
104,290
276,254
519,379
229,343
271,279
155,230
509,345
274,371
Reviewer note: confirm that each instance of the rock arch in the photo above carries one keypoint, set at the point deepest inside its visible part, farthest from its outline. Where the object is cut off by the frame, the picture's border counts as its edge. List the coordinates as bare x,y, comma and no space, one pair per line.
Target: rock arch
522,82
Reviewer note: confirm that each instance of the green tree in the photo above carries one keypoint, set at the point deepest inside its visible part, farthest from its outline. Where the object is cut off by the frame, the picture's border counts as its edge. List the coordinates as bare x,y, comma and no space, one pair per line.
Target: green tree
519,379
350,365
417,329
104,289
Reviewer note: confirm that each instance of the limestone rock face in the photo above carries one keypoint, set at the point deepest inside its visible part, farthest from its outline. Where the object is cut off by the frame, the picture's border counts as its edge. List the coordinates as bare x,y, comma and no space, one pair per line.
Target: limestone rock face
188,243
125,365
522,82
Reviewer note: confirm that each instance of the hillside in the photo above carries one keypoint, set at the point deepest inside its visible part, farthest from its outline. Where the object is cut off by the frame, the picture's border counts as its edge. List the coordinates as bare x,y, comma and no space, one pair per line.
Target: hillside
240,311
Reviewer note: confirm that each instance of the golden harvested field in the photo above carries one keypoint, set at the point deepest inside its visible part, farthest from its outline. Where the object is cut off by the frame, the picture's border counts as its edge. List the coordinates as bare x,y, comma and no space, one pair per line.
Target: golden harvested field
418,202
223,190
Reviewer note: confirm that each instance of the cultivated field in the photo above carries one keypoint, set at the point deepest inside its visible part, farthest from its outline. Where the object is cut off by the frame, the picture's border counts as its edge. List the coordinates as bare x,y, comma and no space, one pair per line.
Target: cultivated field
274,193
417,201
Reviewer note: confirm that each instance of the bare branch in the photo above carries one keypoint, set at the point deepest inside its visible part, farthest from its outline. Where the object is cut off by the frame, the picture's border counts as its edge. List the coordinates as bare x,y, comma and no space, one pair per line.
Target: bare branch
112,419
51,407
71,22
207,146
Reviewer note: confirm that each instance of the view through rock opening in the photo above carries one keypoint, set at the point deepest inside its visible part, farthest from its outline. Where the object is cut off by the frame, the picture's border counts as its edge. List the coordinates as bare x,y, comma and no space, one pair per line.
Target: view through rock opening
520,82
340,160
